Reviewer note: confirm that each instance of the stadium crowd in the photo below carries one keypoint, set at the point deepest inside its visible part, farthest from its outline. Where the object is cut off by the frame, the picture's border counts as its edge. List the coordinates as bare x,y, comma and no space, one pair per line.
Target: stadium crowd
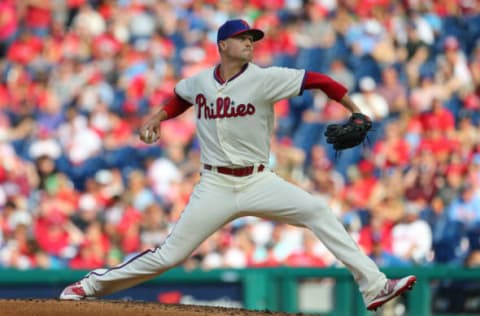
79,190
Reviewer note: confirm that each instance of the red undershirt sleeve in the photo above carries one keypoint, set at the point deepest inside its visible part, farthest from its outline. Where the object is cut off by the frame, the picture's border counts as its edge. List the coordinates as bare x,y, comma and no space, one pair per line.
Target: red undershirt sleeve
176,106
333,89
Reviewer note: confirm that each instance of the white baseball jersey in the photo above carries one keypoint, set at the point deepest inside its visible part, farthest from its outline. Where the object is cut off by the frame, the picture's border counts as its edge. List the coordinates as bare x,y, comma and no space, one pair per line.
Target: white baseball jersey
235,118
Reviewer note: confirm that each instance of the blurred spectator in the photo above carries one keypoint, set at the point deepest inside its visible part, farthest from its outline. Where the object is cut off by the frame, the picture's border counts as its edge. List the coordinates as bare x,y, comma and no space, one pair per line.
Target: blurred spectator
306,255
474,65
474,171
371,103
9,24
88,21
24,49
419,182
46,145
54,232
340,72
315,38
154,227
361,184
386,199
392,151
82,142
405,241
118,134
451,185
161,173
238,254
446,234
438,117
422,96
47,173
465,209
393,91
38,16
364,36
140,195
92,250
376,233
455,64
288,160
385,258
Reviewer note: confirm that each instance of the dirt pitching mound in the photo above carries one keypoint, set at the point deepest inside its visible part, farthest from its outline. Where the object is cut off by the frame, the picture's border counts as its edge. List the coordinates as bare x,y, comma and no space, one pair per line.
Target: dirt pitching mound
55,307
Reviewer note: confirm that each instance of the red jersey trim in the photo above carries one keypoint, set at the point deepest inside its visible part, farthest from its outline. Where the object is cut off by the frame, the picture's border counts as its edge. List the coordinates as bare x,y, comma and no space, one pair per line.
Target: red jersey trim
220,80
176,106
333,89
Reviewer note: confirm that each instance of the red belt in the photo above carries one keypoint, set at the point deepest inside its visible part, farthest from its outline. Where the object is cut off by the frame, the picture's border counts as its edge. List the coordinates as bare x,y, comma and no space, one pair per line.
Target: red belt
236,172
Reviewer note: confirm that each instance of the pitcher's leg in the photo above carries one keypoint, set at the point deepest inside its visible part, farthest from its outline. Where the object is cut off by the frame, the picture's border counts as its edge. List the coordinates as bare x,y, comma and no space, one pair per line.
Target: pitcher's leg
276,199
201,218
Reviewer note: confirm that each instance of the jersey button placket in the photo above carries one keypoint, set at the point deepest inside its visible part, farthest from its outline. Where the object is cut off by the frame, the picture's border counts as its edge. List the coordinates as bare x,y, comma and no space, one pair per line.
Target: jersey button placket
221,130
222,136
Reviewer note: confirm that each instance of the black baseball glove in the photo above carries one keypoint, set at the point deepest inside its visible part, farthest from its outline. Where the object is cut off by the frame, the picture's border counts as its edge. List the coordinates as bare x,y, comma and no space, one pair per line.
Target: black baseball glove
349,134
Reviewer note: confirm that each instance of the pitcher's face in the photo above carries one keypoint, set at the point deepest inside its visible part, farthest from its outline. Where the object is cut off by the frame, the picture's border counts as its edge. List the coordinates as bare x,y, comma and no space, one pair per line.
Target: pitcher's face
238,47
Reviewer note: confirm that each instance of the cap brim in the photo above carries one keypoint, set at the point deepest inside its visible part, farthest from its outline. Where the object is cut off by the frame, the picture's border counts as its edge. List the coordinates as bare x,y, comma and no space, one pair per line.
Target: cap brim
256,34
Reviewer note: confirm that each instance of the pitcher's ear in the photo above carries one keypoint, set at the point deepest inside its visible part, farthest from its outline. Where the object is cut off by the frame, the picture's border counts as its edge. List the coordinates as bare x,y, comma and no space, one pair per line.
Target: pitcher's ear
221,45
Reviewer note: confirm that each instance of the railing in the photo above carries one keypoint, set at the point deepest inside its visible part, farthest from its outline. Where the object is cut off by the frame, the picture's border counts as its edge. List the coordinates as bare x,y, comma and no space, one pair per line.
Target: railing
275,289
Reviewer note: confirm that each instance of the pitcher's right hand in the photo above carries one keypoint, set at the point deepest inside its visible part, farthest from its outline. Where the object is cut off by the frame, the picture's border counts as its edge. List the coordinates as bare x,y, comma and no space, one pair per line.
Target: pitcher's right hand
150,131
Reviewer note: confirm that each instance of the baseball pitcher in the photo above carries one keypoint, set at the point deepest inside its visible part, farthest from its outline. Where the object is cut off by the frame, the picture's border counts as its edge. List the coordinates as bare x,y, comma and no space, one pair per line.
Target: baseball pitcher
233,103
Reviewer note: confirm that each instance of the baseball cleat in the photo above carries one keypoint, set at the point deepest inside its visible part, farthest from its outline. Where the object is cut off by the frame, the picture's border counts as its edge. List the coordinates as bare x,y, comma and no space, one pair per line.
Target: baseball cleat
73,292
392,288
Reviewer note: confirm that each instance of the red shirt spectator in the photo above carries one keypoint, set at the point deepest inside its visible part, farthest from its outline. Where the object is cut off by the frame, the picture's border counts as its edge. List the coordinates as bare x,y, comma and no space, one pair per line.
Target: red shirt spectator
25,49
129,230
395,153
106,9
393,150
50,233
436,143
39,14
87,258
105,45
8,20
4,97
71,45
378,229
302,258
367,7
270,261
75,3
438,118
120,132
358,192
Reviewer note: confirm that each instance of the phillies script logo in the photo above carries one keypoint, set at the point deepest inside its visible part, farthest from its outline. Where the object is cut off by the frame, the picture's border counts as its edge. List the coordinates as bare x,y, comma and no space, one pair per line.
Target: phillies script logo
223,107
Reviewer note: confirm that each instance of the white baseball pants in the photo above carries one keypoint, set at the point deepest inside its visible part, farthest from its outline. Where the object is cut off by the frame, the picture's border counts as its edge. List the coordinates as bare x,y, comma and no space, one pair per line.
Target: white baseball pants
218,199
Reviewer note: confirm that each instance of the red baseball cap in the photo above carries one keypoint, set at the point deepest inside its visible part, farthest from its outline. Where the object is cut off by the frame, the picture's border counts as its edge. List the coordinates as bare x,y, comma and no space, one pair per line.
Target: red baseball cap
236,27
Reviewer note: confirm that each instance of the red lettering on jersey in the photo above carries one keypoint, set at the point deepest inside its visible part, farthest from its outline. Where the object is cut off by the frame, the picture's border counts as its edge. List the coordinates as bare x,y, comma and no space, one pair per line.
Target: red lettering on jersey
209,113
250,109
241,110
220,105
226,106
201,103
232,112
223,108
